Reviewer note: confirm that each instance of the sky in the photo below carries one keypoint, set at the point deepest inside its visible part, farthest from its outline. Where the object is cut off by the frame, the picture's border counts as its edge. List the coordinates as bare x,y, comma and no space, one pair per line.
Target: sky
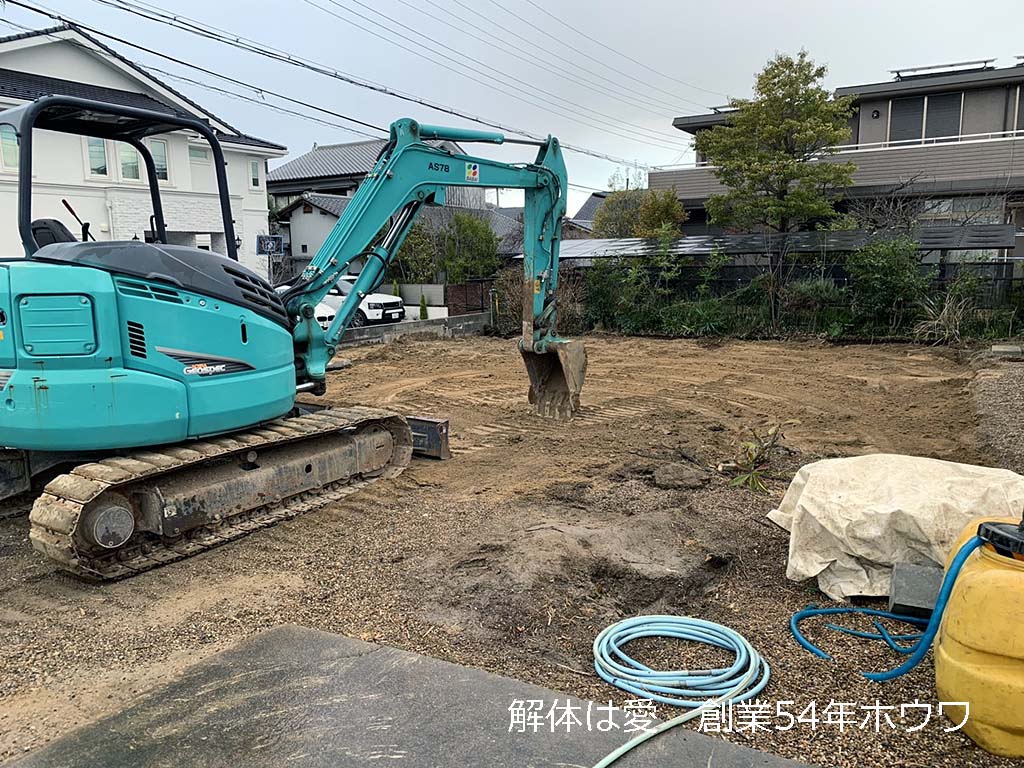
603,76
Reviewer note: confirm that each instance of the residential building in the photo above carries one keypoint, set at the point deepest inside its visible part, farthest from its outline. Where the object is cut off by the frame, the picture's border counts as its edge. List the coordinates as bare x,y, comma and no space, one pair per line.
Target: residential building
311,216
338,169
949,138
584,218
104,181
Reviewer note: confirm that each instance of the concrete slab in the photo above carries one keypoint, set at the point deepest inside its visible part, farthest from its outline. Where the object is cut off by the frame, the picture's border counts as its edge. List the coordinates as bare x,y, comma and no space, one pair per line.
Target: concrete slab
305,699
1006,350
914,589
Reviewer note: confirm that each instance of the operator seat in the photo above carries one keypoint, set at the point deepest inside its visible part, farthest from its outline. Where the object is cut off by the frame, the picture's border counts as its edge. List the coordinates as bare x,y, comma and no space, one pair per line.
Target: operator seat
47,231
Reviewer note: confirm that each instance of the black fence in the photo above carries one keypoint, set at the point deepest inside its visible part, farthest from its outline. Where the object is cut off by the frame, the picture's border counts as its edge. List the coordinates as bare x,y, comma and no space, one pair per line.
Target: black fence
469,297
997,285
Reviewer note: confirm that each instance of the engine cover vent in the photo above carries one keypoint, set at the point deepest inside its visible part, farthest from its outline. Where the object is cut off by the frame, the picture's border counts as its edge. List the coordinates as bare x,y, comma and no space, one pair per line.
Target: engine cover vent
148,291
137,339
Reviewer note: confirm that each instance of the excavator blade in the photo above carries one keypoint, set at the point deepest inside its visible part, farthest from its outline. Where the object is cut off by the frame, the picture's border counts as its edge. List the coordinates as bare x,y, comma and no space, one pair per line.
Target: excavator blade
556,378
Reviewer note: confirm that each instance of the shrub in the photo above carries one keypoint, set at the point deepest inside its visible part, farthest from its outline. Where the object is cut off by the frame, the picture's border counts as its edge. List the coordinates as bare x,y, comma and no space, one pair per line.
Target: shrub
888,284
948,317
424,315
572,305
812,303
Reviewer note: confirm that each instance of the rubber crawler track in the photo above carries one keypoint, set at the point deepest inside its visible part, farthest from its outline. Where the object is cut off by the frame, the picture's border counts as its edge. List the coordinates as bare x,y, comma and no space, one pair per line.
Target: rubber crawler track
55,514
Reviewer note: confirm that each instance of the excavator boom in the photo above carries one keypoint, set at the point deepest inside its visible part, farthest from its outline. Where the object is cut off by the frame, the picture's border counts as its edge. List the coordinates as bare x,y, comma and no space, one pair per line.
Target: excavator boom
413,170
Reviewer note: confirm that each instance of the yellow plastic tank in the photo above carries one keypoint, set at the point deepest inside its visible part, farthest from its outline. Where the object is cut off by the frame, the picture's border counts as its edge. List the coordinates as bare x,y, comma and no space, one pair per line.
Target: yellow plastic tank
979,649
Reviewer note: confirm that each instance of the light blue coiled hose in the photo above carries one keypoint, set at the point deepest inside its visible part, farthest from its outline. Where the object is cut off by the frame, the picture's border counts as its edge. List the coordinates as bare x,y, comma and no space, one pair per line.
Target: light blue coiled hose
696,690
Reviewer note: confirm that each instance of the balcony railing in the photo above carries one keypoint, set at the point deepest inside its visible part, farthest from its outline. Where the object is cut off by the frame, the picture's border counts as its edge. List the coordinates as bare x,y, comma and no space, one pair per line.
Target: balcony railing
877,146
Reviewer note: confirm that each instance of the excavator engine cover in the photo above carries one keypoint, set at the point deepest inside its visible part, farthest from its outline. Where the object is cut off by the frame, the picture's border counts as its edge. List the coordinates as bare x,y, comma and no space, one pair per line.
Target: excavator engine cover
556,378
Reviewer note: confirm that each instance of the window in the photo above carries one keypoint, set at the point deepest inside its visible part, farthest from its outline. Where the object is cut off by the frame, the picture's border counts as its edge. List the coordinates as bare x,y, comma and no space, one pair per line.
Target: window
97,156
905,118
129,161
158,149
305,248
958,211
307,208
9,145
254,174
198,154
1020,109
918,118
943,118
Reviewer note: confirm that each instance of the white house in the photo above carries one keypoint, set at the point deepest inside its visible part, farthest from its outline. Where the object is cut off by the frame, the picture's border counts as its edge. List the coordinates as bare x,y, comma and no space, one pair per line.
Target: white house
104,181
312,215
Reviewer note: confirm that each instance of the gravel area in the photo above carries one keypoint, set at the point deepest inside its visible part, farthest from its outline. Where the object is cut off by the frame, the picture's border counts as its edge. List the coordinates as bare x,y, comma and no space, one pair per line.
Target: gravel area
514,554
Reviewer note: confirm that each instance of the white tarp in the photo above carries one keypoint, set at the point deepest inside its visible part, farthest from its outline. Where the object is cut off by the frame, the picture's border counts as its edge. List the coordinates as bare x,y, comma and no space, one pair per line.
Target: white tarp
850,520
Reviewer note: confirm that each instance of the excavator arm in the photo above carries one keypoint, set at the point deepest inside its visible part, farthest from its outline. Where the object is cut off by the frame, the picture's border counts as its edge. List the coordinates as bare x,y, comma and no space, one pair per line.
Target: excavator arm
409,174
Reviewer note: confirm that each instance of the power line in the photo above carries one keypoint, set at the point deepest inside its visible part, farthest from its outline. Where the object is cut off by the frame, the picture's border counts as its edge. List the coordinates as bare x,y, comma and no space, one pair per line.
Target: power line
240,42
508,80
257,101
564,61
284,110
561,41
561,64
174,20
260,102
617,52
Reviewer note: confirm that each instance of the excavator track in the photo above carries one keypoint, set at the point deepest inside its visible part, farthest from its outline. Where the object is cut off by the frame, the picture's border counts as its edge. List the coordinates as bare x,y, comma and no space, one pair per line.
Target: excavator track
310,460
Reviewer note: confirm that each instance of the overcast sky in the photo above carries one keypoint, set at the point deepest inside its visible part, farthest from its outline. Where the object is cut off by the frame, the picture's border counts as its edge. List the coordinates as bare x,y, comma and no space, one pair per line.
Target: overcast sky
603,75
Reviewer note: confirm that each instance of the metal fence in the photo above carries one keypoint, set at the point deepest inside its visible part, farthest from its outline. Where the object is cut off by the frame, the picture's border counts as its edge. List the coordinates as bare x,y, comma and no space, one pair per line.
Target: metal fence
997,285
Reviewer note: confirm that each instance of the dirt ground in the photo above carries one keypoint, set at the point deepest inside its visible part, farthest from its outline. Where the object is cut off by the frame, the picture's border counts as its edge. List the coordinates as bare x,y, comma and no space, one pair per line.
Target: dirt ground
512,556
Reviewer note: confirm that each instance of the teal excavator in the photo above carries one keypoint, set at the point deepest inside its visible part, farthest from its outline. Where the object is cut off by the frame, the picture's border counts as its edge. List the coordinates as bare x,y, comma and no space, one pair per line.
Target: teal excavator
161,380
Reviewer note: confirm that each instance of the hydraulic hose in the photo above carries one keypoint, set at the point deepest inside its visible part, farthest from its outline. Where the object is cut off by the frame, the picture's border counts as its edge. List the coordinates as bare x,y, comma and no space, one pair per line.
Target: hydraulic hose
696,690
924,640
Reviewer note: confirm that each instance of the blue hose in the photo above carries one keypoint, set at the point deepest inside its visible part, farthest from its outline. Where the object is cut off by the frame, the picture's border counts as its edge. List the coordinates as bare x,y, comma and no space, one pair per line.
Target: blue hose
924,640
696,690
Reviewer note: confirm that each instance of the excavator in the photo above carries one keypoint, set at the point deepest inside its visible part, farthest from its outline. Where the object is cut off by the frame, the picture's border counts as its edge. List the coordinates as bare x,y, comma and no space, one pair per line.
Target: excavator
152,387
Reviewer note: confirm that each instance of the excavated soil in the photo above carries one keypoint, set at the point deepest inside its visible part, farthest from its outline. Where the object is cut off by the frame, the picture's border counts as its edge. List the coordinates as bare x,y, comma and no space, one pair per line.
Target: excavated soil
514,554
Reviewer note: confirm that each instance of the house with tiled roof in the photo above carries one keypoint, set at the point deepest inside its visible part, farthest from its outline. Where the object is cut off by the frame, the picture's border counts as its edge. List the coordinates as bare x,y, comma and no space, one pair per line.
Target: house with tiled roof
309,218
104,180
337,169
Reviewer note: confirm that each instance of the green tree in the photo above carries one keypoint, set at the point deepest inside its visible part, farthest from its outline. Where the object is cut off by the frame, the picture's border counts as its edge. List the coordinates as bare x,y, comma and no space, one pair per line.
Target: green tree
417,258
773,156
470,248
619,214
659,212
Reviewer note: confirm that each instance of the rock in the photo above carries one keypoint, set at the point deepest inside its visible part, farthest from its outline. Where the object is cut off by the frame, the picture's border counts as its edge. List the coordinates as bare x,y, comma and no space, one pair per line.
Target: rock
679,475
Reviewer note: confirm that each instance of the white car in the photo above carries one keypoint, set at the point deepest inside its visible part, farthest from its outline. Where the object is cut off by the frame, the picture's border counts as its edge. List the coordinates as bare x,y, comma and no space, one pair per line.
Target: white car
324,311
374,308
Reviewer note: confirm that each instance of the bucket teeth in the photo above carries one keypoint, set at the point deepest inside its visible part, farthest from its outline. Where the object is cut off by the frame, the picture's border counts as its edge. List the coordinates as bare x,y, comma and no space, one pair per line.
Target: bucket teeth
556,378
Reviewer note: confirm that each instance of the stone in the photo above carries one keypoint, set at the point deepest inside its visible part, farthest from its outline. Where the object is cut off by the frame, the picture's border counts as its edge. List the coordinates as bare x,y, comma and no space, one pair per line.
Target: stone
680,476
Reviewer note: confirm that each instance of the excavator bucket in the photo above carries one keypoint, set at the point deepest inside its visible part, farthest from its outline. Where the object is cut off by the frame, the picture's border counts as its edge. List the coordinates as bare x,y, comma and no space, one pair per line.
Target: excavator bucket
556,378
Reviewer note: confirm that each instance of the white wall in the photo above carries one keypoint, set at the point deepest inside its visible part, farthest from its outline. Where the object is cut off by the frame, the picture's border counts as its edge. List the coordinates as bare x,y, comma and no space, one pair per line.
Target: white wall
117,207
309,229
